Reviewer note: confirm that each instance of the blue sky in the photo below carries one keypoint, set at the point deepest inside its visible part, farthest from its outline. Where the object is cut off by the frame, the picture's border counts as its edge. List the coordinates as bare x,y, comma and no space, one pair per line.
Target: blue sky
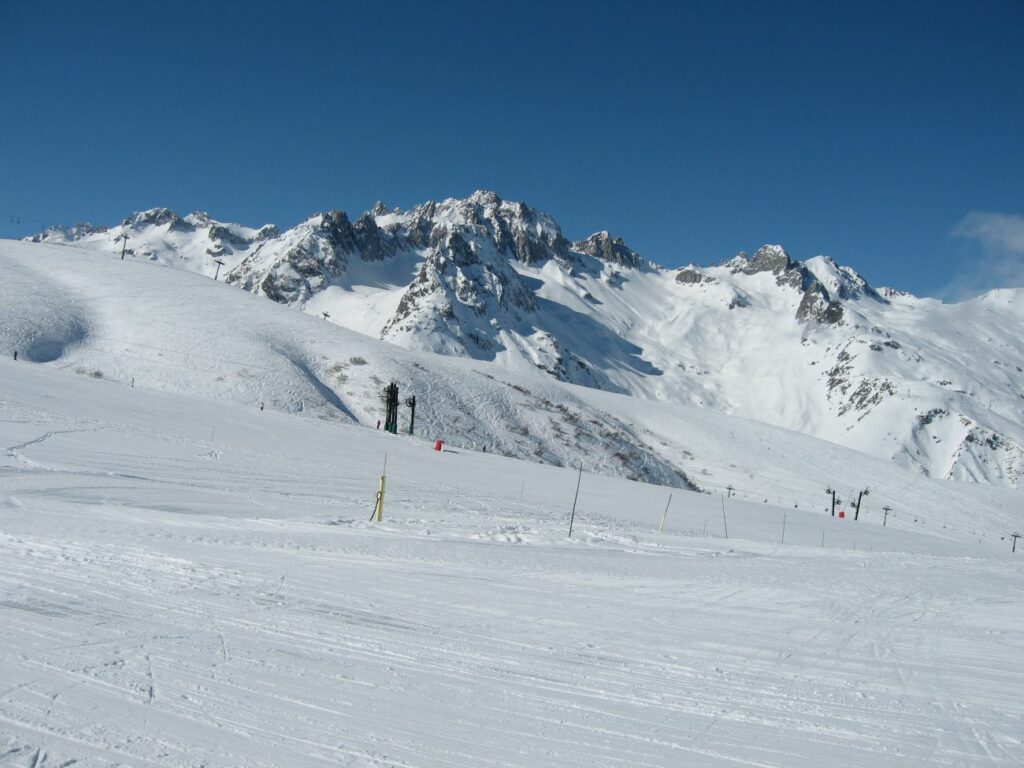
888,135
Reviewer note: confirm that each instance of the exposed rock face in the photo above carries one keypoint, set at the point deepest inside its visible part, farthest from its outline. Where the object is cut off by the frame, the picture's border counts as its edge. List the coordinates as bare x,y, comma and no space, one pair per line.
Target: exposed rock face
75,232
156,217
371,243
769,258
816,303
692,276
224,235
613,251
267,232
466,284
314,256
336,229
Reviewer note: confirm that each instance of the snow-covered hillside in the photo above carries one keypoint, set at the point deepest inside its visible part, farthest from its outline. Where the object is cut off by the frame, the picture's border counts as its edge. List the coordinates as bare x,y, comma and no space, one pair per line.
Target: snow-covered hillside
809,346
188,575
187,580
142,324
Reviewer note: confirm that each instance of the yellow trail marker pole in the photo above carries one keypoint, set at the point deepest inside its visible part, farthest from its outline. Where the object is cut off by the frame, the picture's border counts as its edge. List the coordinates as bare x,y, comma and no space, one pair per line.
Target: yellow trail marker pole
662,526
378,509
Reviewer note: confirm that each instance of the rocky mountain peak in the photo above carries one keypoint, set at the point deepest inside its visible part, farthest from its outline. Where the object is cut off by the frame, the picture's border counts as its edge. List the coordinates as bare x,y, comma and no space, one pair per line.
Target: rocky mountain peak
336,228
769,258
601,245
267,232
155,217
842,282
484,197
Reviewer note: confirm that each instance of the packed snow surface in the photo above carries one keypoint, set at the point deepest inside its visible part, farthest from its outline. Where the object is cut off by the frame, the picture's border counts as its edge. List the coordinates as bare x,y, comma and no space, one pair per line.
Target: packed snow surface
187,583
188,579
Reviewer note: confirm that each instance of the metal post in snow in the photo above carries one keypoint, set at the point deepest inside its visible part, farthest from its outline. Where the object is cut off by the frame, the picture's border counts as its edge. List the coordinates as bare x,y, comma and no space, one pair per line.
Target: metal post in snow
572,519
783,528
885,519
860,496
216,273
725,522
410,403
1015,537
665,514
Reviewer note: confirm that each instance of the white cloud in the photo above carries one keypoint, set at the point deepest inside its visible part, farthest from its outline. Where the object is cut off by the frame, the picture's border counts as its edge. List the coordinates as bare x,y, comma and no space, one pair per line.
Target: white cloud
997,256
1002,231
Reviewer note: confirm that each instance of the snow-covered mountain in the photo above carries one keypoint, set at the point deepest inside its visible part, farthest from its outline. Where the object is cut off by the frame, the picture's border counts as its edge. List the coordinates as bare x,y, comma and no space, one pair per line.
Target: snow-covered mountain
806,345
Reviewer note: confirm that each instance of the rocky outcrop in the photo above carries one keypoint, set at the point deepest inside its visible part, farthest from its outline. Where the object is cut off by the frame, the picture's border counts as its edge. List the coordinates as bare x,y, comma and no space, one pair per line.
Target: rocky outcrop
372,243
602,246
692,275
816,303
156,217
462,285
313,257
75,232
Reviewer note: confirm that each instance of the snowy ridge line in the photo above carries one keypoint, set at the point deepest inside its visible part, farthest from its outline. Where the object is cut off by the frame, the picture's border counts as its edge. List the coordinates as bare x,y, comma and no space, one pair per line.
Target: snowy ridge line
808,345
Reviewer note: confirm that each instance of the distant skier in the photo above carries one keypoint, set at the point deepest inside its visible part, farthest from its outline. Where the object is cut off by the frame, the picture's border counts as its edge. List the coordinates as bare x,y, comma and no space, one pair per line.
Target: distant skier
15,354
378,423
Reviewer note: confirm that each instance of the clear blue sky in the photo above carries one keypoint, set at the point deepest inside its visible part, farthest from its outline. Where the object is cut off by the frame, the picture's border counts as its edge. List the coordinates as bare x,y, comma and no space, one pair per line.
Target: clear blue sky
867,131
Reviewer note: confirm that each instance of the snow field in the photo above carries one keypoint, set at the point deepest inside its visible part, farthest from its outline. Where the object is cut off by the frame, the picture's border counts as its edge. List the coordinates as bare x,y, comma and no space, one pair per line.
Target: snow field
187,582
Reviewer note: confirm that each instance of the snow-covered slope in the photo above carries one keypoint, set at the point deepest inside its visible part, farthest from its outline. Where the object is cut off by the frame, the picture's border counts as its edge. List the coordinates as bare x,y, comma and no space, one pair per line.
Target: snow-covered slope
142,324
189,581
809,346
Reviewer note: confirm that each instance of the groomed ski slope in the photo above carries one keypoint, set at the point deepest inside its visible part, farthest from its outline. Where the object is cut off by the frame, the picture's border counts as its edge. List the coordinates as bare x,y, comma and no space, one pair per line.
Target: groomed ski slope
186,582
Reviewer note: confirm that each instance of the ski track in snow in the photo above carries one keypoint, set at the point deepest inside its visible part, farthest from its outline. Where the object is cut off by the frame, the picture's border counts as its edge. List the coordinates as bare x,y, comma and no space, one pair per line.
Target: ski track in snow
182,584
